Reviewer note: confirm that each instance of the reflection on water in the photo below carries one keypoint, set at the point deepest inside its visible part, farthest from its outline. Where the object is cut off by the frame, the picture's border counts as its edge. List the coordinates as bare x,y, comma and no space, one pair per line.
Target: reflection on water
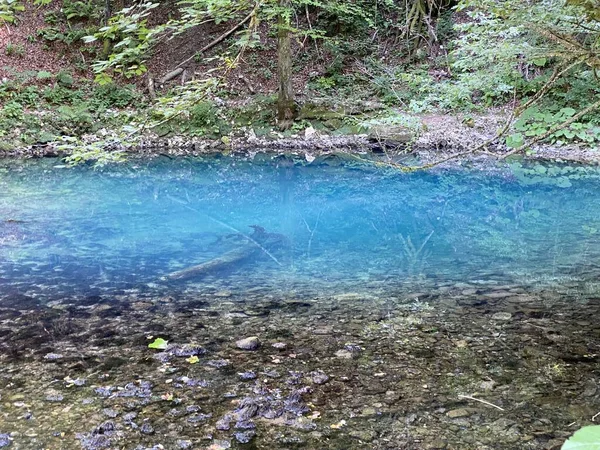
80,231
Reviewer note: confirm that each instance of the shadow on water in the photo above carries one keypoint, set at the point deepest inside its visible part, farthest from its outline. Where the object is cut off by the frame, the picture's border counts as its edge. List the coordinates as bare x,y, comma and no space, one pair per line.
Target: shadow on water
304,306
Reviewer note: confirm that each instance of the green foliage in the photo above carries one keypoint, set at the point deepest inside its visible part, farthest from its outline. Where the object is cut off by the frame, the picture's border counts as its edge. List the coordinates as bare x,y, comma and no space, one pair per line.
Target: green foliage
112,95
12,110
587,438
79,10
60,95
133,42
535,122
9,10
14,50
64,78
69,37
74,120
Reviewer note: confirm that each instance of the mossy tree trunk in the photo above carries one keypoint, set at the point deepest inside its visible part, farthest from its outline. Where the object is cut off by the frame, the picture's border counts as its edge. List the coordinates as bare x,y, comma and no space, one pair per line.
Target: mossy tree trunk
286,108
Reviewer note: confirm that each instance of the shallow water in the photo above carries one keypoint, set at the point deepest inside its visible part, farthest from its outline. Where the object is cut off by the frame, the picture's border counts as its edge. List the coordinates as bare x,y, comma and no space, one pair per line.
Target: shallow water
387,306
80,231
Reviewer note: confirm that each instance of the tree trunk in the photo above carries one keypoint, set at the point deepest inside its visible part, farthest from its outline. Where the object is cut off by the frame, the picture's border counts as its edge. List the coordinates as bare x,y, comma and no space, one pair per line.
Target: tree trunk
286,108
107,44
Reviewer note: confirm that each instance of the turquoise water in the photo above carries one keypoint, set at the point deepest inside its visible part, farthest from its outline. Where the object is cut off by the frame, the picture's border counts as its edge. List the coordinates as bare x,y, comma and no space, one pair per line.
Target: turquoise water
84,231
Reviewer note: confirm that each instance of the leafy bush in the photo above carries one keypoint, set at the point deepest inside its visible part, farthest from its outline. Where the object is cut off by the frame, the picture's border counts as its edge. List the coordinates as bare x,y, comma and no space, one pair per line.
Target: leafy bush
14,50
12,110
534,122
9,10
74,120
112,95
78,10
205,119
64,78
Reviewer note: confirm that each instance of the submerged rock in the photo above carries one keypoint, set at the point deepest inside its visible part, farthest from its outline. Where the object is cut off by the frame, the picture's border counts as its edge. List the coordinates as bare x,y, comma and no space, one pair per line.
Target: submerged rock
319,377
249,343
246,376
502,316
4,440
244,437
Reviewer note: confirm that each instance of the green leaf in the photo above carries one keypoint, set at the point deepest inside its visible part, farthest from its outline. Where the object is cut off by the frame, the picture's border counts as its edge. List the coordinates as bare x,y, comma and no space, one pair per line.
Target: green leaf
515,140
158,344
587,438
568,112
102,79
540,62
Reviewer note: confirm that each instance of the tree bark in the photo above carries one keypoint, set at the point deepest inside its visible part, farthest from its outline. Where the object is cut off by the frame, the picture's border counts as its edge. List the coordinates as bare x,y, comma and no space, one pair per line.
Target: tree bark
286,108
107,44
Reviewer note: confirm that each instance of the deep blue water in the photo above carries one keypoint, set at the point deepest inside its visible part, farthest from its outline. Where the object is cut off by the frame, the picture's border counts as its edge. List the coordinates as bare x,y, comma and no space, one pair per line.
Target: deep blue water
85,231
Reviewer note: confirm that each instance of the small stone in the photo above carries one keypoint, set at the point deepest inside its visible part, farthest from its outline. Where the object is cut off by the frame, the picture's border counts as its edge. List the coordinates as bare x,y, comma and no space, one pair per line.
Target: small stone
219,445
345,354
53,356
218,363
146,428
55,398
110,413
246,376
244,437
319,377
487,385
129,416
223,294
502,316
199,418
250,343
279,345
461,412
184,444
224,423
4,440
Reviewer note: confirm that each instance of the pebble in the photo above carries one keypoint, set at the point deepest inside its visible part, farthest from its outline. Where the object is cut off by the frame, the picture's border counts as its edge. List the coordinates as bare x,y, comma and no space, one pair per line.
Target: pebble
502,316
224,424
279,345
199,418
218,363
319,377
460,412
219,445
345,354
244,437
55,398
146,428
246,376
249,343
110,413
129,416
4,440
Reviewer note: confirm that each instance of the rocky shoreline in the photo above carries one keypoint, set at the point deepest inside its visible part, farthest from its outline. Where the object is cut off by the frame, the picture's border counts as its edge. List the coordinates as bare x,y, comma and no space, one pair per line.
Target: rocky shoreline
442,137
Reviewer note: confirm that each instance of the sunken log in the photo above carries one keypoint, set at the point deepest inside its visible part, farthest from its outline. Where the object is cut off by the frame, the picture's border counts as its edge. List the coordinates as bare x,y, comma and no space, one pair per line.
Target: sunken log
258,242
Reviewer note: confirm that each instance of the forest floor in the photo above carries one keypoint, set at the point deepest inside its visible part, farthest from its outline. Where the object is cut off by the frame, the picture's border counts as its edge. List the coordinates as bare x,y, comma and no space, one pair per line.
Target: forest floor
47,93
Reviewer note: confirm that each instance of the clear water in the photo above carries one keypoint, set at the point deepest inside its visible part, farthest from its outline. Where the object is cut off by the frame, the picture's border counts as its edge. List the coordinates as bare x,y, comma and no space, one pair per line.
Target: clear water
81,231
